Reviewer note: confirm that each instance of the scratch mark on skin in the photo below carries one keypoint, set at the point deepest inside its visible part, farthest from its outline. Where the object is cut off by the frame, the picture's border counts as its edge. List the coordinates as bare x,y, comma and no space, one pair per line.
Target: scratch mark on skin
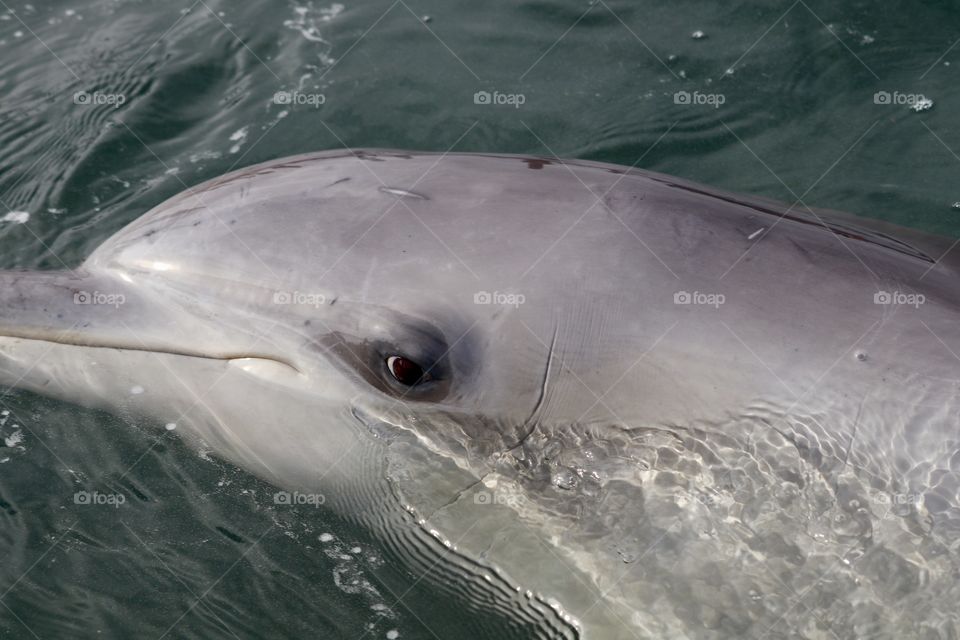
533,421
365,288
403,193
459,494
853,436
537,163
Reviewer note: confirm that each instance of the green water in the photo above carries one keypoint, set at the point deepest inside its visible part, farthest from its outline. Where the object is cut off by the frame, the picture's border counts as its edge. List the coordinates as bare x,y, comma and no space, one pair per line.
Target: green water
781,103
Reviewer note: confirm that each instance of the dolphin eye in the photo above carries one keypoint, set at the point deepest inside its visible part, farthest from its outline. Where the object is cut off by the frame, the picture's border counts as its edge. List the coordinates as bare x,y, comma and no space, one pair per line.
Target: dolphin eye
406,371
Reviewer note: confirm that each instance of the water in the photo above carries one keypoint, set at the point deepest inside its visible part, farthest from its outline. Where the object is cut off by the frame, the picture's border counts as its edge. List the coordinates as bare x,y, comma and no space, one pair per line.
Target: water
109,107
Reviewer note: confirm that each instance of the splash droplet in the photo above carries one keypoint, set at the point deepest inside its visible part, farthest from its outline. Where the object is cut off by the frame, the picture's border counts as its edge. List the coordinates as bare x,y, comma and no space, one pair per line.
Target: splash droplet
16,217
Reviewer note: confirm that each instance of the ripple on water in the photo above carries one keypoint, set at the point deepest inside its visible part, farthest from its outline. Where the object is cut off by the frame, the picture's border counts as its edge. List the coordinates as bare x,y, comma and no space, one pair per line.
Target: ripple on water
745,515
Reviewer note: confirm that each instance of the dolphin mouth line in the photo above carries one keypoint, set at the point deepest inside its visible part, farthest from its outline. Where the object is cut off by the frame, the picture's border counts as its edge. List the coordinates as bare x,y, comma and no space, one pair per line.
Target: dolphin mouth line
121,346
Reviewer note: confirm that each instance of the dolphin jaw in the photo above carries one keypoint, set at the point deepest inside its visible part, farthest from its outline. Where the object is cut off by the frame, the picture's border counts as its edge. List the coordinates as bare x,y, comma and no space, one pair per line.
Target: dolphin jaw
74,339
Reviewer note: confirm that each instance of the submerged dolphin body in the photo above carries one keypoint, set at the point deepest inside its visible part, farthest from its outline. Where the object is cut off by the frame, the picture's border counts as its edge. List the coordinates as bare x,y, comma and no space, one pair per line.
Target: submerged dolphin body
602,402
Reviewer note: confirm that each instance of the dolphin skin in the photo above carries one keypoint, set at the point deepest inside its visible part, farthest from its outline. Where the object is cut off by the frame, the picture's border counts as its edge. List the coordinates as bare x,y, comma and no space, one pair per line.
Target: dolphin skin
601,402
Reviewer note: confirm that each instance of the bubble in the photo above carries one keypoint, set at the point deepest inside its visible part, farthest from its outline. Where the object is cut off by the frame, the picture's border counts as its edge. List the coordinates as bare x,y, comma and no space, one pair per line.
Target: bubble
326,537
16,217
565,479
698,35
13,440
552,450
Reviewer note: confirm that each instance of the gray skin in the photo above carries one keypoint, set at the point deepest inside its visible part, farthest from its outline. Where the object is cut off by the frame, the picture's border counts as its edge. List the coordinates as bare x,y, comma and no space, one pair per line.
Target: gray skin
596,458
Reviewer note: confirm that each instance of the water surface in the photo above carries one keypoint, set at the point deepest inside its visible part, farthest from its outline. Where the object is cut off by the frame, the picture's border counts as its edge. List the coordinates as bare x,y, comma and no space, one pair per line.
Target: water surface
108,107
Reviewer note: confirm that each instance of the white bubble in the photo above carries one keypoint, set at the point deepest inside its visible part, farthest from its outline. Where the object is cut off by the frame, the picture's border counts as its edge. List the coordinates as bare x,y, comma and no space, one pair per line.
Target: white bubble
239,137
698,35
170,426
356,550
136,390
15,439
393,634
326,537
17,217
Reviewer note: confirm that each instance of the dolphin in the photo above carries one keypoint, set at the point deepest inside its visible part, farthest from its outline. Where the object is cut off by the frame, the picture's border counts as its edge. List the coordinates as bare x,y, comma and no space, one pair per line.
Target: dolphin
598,401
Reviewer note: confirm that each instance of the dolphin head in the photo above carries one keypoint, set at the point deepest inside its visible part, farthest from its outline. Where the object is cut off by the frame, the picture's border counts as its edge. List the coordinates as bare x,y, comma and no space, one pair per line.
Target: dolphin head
292,313
286,314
